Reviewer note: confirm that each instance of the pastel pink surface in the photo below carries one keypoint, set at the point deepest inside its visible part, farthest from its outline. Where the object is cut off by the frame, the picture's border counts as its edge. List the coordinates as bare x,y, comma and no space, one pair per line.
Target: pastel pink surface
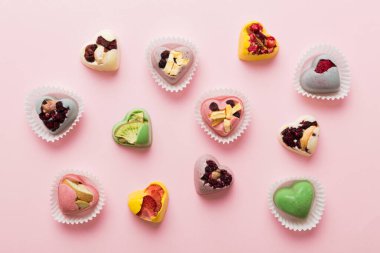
40,45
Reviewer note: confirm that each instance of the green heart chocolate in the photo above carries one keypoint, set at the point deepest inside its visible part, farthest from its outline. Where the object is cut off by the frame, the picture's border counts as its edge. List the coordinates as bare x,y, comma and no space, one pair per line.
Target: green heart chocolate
135,130
295,200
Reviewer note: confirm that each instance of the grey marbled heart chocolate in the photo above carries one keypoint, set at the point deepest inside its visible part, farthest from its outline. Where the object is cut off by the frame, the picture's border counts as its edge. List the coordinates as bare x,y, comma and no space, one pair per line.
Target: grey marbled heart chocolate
71,114
320,83
221,179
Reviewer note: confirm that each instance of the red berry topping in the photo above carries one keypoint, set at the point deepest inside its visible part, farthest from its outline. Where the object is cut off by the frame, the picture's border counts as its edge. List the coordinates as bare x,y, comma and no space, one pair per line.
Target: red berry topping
270,42
253,48
256,27
323,66
259,42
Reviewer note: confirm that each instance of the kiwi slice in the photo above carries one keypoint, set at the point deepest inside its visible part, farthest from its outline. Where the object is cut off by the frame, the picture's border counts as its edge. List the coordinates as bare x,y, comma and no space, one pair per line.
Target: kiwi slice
127,133
136,117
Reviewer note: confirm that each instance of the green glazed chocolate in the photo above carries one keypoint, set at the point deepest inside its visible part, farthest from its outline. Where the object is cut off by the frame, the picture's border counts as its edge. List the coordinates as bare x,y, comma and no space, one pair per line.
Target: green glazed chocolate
296,199
135,130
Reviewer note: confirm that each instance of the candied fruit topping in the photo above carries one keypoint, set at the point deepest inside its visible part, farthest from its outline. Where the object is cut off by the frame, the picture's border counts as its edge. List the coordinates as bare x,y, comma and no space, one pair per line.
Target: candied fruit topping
151,204
259,42
324,65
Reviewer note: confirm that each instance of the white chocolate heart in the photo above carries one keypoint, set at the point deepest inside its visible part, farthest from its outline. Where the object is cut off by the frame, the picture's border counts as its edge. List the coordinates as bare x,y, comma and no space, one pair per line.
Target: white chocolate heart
101,58
300,136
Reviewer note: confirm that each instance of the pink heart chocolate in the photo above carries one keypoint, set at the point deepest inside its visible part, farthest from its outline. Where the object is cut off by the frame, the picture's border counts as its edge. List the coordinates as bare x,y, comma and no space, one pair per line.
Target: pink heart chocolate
210,176
172,61
76,194
223,114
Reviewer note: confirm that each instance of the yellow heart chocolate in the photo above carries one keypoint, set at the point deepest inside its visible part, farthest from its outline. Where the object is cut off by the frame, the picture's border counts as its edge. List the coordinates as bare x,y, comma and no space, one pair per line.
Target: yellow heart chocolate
255,44
151,203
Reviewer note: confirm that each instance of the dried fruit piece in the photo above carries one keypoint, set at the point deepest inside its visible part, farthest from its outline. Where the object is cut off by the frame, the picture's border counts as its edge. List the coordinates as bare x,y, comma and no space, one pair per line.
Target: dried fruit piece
151,203
134,130
209,176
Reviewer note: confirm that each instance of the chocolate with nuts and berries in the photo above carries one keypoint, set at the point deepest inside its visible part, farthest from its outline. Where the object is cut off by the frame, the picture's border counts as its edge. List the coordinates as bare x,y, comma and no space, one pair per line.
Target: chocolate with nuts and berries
172,61
222,114
301,136
255,44
56,114
210,176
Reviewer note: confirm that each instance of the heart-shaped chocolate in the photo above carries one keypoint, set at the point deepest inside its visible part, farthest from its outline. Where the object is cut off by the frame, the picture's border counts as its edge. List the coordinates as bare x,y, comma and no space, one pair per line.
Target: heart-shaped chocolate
76,194
172,61
322,77
103,54
210,176
296,199
135,130
57,114
223,114
300,136
151,203
255,44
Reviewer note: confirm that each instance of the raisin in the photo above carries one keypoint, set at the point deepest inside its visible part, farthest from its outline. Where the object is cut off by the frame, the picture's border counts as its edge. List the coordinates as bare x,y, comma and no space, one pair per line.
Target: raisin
165,54
213,107
162,63
237,114
230,102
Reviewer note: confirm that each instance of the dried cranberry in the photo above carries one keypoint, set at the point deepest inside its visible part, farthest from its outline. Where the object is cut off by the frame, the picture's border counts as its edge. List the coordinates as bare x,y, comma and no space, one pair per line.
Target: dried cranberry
214,107
212,164
209,169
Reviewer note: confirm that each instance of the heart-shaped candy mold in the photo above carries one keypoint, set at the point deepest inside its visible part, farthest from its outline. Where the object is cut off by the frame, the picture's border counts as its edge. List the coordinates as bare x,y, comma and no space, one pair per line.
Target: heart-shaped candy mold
76,194
172,61
57,114
151,203
255,44
210,176
295,200
322,77
103,54
223,114
300,136
135,130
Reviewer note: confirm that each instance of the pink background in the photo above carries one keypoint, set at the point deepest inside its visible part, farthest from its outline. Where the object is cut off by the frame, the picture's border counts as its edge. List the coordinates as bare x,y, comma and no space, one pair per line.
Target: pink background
40,42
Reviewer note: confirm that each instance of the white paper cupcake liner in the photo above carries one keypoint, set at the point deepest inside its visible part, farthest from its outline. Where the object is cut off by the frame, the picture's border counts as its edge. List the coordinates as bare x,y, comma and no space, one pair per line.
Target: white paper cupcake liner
32,116
80,218
160,80
316,210
243,124
338,58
